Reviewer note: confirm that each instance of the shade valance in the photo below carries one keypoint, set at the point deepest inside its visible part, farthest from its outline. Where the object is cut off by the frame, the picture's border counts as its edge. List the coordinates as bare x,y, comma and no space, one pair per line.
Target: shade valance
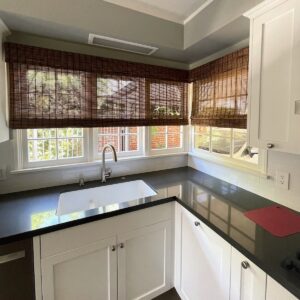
51,88
220,91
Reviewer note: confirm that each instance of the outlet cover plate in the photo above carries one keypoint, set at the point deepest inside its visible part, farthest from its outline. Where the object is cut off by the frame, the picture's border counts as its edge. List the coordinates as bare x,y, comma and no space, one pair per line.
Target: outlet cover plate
283,179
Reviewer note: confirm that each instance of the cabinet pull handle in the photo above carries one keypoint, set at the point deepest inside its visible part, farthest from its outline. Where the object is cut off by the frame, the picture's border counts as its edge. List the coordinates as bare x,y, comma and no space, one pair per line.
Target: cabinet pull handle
12,256
245,264
113,248
121,245
197,223
270,145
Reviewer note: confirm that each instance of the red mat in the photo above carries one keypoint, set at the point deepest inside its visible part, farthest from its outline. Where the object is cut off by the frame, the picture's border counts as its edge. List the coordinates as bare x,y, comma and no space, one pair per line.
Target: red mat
279,221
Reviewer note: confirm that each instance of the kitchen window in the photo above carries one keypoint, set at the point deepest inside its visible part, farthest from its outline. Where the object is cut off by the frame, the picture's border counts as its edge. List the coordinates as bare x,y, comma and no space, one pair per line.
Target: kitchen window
126,140
166,139
228,143
44,147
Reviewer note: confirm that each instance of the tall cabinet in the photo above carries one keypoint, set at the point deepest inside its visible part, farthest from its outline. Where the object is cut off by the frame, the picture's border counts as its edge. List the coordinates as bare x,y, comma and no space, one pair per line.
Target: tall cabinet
274,89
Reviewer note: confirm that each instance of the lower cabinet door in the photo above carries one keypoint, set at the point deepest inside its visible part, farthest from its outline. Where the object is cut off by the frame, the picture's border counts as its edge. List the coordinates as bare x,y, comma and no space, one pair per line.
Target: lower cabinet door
88,273
275,291
204,261
144,262
248,281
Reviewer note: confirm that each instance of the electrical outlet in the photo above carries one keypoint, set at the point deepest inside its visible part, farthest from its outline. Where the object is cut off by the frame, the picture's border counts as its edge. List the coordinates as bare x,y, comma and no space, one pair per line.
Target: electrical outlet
282,179
3,172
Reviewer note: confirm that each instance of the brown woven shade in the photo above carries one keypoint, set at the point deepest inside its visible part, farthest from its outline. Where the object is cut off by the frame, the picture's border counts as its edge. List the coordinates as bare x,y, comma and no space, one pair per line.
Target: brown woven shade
50,88
220,91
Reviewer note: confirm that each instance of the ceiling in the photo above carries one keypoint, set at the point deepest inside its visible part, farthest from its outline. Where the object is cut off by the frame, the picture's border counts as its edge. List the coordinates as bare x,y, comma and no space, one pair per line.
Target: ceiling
212,24
178,11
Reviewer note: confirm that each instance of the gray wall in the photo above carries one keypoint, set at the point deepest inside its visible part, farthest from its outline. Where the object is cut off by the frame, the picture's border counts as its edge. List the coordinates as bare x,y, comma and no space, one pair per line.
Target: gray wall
34,40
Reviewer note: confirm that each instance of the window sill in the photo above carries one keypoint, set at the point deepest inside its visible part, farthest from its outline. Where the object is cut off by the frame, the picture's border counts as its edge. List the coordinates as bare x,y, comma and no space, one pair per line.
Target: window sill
230,163
91,163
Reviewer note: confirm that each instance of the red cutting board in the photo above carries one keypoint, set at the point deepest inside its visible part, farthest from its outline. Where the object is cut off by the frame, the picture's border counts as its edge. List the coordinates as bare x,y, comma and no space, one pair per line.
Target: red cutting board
279,221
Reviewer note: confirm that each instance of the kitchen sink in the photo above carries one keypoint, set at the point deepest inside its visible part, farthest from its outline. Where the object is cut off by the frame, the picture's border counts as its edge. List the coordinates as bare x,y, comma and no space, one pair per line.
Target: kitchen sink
86,199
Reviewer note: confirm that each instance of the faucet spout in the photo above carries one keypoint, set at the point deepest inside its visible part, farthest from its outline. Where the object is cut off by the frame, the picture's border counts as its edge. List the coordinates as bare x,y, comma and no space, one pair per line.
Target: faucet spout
105,173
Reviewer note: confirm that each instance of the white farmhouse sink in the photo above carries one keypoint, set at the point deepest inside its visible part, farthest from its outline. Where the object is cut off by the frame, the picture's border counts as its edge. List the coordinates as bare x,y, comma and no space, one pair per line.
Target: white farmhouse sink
102,196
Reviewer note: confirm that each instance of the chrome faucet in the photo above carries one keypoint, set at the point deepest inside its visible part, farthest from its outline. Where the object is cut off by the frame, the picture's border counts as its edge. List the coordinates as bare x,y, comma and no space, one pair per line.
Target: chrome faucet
106,172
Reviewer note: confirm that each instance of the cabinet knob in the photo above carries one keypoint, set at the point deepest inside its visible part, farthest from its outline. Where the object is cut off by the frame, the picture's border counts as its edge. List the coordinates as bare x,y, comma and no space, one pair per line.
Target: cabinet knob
121,245
245,264
113,248
197,223
270,145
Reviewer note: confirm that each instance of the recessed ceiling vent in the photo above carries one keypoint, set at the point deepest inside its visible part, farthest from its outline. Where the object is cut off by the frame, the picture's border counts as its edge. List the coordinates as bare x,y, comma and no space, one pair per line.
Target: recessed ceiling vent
108,42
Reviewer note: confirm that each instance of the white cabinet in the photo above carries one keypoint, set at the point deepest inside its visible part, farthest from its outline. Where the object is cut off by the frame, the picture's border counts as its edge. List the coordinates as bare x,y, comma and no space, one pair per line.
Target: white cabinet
274,90
202,260
4,131
125,257
144,262
277,292
248,281
88,272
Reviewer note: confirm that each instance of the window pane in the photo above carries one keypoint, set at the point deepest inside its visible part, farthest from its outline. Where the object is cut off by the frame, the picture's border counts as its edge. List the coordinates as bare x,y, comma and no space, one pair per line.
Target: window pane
70,148
174,130
41,150
108,139
223,132
124,139
158,129
54,144
69,132
201,142
202,130
220,144
158,141
166,137
174,141
132,129
132,142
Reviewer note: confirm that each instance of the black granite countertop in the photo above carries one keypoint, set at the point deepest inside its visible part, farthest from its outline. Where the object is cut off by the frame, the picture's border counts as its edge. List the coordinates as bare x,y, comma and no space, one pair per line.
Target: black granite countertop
218,204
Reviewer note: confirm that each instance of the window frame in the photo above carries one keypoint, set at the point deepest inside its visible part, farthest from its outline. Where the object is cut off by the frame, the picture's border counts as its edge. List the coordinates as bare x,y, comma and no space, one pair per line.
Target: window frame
91,154
23,161
181,149
224,159
140,140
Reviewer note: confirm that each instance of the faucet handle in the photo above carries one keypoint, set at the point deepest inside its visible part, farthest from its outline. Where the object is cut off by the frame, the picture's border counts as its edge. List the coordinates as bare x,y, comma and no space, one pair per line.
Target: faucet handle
81,181
108,172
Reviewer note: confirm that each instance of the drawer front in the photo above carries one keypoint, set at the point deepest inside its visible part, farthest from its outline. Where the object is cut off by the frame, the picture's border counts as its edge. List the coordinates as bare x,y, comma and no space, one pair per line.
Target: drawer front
17,271
81,235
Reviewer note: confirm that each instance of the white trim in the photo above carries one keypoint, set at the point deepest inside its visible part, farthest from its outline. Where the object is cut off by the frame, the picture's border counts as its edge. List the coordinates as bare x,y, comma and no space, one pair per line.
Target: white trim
262,7
158,12
197,11
91,163
37,267
229,162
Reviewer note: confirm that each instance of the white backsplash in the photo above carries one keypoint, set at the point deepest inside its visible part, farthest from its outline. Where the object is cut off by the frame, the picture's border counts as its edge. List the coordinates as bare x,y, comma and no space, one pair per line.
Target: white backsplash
259,184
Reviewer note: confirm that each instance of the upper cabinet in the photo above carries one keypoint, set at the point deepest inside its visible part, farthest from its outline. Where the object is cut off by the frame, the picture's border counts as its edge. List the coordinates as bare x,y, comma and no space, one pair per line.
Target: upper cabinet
274,89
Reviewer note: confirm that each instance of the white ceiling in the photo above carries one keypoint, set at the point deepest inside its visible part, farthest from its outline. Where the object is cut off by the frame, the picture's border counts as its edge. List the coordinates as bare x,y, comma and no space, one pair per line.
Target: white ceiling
179,11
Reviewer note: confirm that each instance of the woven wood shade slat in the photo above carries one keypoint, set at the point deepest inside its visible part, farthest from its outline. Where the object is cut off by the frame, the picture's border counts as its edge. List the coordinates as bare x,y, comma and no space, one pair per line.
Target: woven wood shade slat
220,91
51,88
